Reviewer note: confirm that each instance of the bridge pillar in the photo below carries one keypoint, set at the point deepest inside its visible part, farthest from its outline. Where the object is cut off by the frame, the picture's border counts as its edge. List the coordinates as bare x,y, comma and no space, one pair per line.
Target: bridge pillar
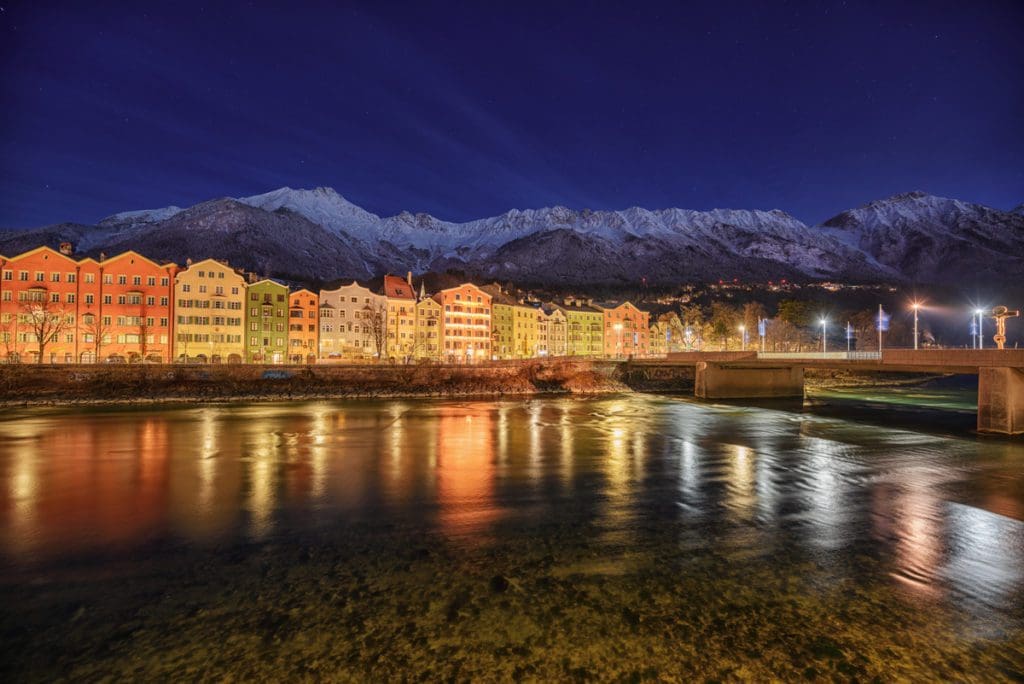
1001,400
718,381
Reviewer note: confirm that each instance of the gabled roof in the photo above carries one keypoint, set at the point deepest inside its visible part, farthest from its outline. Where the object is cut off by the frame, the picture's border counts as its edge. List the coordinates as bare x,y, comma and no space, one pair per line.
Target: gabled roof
43,248
268,280
397,288
303,290
133,253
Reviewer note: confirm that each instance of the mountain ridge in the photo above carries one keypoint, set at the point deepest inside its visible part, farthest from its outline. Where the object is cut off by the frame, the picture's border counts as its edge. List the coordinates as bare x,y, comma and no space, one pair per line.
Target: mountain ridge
319,235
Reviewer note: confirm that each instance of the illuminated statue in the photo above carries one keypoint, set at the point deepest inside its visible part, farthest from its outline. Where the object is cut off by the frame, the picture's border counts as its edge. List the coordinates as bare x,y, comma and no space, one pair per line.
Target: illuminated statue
1000,314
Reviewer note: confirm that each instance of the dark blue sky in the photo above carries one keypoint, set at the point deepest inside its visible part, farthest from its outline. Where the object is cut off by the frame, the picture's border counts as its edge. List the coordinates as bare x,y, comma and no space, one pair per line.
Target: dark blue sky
465,110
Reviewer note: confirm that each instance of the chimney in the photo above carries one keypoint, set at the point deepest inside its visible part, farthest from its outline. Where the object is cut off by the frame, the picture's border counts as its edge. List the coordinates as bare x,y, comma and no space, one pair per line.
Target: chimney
66,248
408,278
103,255
188,262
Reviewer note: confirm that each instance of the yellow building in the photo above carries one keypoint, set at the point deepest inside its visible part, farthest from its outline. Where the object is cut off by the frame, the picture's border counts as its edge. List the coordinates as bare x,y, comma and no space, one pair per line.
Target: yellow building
525,331
502,327
584,328
401,318
209,313
428,330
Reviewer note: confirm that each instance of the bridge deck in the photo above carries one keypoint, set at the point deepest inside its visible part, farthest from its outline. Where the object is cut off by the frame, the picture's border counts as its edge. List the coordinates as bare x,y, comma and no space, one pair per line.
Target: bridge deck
966,361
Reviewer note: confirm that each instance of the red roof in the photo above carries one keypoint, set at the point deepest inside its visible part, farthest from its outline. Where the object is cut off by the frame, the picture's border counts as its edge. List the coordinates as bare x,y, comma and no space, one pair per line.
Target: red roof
397,288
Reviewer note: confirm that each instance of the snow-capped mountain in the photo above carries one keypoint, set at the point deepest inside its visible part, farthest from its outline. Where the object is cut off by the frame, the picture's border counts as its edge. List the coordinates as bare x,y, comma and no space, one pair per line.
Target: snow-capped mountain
928,237
319,235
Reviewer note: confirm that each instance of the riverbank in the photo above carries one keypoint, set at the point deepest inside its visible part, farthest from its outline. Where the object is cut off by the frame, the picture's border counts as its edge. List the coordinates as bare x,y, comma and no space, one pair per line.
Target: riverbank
55,385
27,385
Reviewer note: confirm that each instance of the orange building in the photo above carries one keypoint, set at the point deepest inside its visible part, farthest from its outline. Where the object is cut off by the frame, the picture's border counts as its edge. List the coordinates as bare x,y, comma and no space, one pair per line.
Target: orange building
465,324
132,318
626,329
303,326
38,306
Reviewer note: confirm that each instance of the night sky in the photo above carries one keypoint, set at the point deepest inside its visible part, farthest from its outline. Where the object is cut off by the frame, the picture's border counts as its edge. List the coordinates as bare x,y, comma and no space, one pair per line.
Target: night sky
467,110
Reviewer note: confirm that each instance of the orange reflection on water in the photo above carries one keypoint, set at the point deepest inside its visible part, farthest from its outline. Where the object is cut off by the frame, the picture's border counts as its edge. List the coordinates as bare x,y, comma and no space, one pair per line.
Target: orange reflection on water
465,469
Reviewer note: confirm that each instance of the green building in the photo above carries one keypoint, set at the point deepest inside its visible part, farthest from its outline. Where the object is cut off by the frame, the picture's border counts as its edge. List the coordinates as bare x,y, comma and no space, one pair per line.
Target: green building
584,328
266,322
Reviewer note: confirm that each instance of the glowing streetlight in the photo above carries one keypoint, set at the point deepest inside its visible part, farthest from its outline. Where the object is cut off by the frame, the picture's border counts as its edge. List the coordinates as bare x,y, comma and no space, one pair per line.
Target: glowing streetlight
981,334
824,335
743,337
916,306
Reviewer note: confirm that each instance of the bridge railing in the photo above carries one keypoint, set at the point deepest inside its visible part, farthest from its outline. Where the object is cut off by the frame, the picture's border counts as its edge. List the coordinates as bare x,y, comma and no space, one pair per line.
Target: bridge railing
838,356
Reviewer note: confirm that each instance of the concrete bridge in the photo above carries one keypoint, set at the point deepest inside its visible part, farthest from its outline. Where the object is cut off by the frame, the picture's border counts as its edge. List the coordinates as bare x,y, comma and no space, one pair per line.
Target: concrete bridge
749,375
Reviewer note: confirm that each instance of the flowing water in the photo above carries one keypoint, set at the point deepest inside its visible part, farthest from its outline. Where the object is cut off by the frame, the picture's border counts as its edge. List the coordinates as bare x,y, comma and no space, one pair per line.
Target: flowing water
627,537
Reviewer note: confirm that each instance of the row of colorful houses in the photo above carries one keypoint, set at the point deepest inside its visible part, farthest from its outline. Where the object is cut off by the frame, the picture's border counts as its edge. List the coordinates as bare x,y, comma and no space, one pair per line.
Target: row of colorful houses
55,308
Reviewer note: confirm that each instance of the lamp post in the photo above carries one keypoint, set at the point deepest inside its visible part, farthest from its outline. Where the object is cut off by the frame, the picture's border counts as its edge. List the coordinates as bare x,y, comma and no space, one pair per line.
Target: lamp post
743,338
981,333
824,335
916,307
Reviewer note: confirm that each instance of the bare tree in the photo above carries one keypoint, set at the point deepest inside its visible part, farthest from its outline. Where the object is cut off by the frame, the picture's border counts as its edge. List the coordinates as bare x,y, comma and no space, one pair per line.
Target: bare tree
96,332
375,326
143,335
8,334
45,321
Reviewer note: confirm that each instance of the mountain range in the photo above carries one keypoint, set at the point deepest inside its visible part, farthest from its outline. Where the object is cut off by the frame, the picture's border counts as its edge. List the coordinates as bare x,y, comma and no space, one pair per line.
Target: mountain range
318,235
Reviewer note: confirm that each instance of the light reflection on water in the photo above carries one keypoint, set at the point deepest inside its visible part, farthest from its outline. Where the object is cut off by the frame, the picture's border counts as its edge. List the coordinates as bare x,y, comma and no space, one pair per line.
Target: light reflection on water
943,515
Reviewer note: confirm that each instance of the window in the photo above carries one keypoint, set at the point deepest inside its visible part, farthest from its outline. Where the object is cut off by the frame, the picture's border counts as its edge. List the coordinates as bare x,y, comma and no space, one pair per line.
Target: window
151,281
55,277
90,278
107,299
40,276
108,279
186,288
70,277
23,275
71,299
165,281
88,299
8,275
136,280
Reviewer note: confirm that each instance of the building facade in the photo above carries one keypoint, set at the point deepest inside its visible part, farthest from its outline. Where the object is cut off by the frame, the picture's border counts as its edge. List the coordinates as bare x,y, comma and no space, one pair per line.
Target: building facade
303,326
209,313
401,319
428,330
132,319
584,329
39,292
626,329
353,323
552,331
465,324
266,322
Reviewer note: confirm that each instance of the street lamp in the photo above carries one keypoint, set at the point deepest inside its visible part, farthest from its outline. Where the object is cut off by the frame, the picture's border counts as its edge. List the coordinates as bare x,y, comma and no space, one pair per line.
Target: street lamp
824,335
916,306
743,337
981,334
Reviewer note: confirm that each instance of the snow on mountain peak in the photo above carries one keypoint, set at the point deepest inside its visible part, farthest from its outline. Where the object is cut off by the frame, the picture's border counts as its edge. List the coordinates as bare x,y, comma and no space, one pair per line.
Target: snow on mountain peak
323,206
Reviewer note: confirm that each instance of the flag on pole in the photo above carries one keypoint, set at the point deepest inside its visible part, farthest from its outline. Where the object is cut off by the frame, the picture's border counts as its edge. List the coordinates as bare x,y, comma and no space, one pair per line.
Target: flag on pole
974,327
883,320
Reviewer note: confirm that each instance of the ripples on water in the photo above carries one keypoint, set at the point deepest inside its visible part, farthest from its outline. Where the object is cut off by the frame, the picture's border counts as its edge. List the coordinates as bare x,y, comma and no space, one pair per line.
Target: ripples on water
634,498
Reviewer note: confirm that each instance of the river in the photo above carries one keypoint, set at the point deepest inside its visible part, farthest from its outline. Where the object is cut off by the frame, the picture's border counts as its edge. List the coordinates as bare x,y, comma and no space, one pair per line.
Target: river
626,537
